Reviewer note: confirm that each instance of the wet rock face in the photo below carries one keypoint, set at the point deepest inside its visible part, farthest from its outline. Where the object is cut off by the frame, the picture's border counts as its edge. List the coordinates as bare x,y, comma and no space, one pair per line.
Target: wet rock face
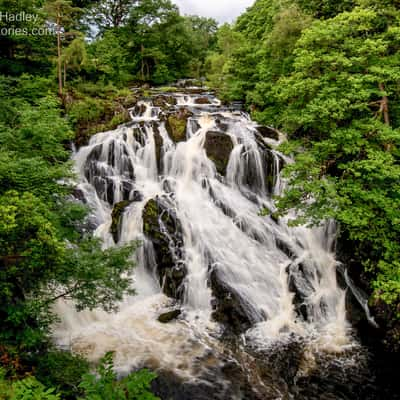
102,165
116,216
164,230
118,212
176,124
301,287
229,308
158,140
218,146
268,132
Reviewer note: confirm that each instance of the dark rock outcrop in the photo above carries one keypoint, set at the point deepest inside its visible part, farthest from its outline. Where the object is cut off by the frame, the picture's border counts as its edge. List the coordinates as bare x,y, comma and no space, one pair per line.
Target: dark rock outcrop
218,147
163,229
229,308
158,140
301,287
79,195
268,132
116,216
169,316
202,100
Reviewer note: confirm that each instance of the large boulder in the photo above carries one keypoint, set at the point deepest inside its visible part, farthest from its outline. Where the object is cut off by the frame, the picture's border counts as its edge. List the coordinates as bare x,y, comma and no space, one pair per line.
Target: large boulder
228,307
162,227
218,146
176,124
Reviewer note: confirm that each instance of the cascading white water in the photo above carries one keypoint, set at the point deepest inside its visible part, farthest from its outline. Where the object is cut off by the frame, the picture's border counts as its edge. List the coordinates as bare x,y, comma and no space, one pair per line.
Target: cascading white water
265,263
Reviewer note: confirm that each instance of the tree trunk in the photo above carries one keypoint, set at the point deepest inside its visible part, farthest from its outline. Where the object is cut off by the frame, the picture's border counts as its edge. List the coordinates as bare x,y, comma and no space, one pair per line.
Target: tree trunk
60,83
384,105
142,67
65,73
147,71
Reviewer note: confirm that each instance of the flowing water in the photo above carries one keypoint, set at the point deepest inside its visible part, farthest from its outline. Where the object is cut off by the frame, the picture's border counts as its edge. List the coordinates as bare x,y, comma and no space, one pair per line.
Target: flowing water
282,279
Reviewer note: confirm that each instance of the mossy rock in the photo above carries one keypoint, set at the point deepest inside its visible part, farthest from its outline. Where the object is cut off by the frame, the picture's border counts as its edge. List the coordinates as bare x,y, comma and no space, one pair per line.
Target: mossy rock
116,216
91,115
218,147
176,125
164,101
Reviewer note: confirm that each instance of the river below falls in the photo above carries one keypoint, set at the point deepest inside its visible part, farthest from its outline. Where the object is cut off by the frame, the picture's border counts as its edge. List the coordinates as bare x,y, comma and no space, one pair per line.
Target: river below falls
259,312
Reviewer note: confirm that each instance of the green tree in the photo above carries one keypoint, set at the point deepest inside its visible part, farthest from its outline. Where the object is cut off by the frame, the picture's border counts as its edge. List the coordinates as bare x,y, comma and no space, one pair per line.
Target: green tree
61,13
337,104
42,255
108,14
20,51
74,57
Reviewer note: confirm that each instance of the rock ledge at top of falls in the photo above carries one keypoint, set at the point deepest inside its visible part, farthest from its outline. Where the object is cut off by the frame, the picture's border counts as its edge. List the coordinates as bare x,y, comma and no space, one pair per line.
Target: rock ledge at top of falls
164,231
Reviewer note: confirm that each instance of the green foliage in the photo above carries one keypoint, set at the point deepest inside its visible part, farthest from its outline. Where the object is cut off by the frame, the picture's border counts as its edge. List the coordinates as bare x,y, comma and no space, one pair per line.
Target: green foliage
105,386
70,375
326,8
220,62
62,370
32,136
350,169
327,73
21,53
43,256
147,41
25,389
110,57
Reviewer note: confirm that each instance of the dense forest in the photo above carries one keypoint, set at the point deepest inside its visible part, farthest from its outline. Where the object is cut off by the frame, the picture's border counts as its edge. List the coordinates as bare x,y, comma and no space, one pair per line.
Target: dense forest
327,73
324,72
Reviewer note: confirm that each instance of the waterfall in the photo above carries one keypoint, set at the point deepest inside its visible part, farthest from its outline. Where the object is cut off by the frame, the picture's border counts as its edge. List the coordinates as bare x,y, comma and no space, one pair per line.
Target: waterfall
225,264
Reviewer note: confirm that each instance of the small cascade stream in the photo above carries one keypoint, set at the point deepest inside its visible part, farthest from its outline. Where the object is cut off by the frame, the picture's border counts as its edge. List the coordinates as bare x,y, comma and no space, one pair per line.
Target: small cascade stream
190,178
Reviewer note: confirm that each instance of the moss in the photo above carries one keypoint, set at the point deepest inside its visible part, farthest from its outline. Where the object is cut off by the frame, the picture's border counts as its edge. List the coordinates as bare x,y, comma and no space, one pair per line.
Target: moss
176,124
177,128
91,113
168,89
